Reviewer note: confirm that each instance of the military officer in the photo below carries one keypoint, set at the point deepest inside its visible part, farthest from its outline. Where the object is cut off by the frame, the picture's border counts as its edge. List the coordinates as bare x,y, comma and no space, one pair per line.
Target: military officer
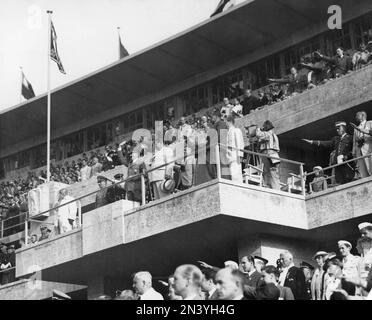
260,263
307,269
117,191
133,184
342,146
101,195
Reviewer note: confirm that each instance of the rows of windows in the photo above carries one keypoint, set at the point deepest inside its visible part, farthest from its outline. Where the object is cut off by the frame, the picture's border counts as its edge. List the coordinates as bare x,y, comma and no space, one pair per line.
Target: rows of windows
252,76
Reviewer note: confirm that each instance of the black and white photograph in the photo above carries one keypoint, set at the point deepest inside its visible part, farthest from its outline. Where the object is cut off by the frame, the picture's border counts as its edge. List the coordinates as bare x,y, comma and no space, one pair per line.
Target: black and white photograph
201,150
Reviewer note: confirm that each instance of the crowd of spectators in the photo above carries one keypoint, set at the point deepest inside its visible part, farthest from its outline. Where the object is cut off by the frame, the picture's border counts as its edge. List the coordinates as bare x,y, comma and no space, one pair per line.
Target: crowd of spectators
329,276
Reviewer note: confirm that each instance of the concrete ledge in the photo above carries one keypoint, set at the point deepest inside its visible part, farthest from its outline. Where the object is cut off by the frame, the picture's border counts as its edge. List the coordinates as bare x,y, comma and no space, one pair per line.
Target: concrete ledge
341,203
63,248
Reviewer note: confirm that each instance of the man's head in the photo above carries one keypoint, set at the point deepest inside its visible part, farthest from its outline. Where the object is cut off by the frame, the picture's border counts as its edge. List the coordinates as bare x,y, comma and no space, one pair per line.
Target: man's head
248,93
318,170
286,258
259,263
247,263
171,293
344,247
4,248
270,274
182,121
341,128
142,281
361,116
84,162
340,52
293,71
208,282
102,182
11,248
187,280
226,101
33,238
364,244
335,268
95,160
365,229
230,121
229,284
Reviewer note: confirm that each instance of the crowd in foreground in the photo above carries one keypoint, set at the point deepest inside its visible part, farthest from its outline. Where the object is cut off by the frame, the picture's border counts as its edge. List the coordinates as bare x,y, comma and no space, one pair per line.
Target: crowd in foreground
336,276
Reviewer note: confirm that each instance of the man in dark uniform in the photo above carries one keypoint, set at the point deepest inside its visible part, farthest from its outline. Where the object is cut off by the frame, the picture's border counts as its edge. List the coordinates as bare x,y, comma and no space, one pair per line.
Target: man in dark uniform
340,63
252,276
307,269
297,83
101,196
342,146
117,191
133,184
250,102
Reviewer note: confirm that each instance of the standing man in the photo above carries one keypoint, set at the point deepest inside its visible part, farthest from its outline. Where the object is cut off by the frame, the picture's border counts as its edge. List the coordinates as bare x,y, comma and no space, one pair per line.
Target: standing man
142,285
85,171
96,167
270,274
317,280
230,284
307,269
250,102
269,146
187,282
292,277
296,82
133,184
252,276
208,284
342,146
235,143
350,262
260,263
101,195
362,144
340,64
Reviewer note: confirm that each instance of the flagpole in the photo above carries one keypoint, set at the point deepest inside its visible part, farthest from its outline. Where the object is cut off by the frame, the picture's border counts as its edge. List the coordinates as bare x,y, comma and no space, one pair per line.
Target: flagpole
20,94
119,41
49,97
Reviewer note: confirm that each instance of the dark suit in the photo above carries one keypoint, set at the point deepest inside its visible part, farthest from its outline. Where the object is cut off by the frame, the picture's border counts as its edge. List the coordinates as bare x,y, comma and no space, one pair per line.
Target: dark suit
285,293
133,184
249,104
295,280
264,291
101,198
253,280
339,65
341,146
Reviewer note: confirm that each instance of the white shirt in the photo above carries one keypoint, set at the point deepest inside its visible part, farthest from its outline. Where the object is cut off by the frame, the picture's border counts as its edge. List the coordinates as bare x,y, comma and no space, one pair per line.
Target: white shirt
151,294
284,273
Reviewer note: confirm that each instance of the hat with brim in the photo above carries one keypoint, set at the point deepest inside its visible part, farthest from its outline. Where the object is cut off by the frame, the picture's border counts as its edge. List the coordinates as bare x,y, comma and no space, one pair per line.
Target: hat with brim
364,225
345,243
118,176
265,261
101,178
320,253
318,168
305,265
167,185
340,123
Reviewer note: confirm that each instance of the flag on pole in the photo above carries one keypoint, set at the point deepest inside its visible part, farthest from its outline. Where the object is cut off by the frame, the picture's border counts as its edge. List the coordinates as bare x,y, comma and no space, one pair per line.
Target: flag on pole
53,49
122,51
27,90
221,6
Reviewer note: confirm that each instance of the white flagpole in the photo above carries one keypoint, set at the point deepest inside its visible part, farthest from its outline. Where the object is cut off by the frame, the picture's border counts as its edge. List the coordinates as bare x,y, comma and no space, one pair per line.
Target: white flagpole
119,41
20,94
49,97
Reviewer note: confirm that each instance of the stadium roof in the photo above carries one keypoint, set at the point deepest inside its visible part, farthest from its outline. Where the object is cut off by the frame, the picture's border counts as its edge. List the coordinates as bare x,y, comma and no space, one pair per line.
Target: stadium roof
250,25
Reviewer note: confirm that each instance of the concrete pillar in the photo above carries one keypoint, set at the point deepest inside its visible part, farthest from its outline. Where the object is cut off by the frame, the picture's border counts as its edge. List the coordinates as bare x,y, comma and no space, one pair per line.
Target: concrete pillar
96,287
270,247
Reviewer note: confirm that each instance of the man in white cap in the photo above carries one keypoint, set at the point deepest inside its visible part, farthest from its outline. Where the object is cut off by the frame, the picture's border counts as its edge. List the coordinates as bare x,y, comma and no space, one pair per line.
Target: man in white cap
317,280
365,229
342,146
350,262
319,182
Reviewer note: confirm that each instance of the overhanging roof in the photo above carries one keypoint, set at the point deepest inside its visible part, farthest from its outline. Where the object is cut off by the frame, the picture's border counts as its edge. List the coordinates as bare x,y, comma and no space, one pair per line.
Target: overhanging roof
243,29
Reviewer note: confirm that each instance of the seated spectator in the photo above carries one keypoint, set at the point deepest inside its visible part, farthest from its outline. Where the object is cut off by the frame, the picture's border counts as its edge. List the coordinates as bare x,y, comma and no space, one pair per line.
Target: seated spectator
45,232
142,285
319,182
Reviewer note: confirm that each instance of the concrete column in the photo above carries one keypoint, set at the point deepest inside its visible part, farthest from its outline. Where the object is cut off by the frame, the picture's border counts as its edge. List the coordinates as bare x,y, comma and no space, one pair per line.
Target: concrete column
96,287
270,247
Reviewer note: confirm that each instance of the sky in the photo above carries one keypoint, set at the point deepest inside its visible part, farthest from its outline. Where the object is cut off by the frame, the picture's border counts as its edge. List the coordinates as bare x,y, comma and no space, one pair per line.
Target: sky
87,36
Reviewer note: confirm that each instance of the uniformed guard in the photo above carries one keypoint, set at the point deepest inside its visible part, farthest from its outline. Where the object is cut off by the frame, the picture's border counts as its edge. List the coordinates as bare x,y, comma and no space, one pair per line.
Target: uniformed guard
307,269
117,191
101,196
260,263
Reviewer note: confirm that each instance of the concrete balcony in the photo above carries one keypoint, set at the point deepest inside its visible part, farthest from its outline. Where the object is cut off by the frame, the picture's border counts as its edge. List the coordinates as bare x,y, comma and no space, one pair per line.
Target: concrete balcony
313,105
